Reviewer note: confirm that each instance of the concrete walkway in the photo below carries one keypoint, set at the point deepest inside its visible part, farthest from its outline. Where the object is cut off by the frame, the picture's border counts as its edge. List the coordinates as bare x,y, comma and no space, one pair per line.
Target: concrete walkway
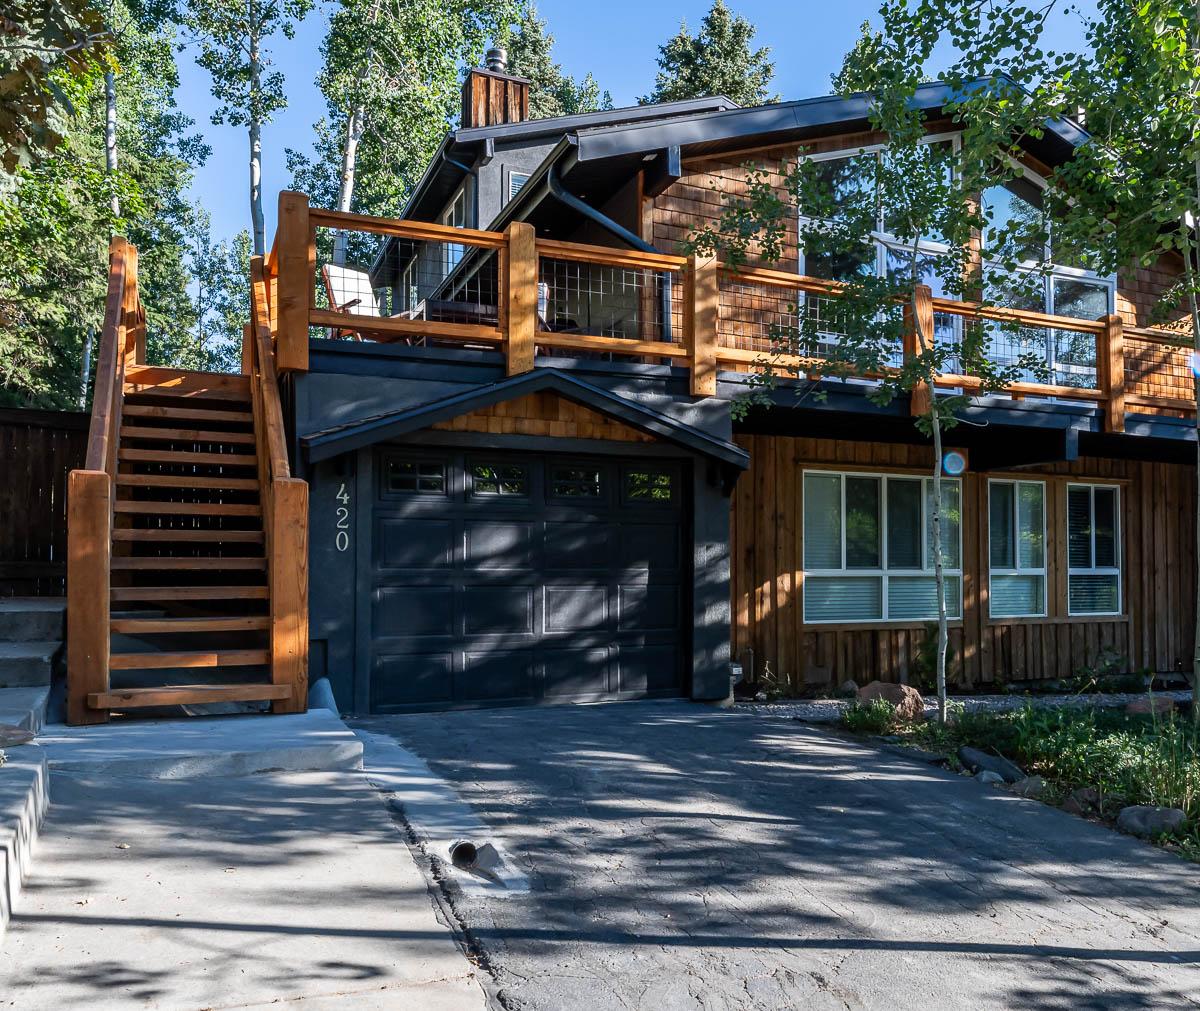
682,858
228,892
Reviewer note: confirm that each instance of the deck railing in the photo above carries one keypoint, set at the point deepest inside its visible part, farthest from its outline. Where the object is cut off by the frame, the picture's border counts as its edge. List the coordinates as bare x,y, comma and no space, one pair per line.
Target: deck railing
90,490
522,295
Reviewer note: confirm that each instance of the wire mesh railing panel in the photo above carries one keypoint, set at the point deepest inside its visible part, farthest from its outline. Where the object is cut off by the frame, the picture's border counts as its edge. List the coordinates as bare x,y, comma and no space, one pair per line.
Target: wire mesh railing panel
601,300
366,276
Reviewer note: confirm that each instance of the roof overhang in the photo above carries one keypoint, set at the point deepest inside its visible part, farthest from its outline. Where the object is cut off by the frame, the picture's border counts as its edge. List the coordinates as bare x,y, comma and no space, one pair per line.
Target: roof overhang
384,427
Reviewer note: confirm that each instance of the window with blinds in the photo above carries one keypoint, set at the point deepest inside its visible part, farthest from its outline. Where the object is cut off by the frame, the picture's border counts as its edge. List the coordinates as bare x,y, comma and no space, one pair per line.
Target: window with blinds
1093,549
1017,549
868,548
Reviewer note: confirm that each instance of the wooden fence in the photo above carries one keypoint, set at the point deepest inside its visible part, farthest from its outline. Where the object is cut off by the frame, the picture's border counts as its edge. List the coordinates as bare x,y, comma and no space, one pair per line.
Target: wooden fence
37,451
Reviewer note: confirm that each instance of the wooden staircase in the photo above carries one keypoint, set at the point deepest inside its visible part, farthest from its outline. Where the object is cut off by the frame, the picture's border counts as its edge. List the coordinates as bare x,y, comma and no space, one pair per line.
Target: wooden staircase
187,538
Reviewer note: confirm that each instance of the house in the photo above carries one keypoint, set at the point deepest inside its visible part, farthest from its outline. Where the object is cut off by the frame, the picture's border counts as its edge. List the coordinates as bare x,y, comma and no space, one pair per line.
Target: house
512,409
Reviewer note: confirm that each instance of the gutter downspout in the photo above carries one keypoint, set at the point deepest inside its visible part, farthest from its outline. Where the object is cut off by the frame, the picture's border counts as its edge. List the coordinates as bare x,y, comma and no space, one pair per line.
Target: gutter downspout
560,193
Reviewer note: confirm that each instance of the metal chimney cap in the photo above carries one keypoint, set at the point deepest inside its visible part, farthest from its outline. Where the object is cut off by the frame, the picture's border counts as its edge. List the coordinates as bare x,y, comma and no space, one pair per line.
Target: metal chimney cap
496,59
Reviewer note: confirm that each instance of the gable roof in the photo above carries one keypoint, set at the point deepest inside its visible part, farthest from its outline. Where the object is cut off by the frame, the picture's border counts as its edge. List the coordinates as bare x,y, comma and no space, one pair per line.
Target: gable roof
381,427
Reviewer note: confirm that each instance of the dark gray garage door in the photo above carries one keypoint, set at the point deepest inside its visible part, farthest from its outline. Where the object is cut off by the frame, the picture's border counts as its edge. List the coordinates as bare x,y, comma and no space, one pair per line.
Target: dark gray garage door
503,578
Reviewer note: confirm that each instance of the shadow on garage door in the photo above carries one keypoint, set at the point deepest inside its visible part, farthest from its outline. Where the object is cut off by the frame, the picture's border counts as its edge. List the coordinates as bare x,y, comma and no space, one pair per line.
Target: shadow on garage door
503,578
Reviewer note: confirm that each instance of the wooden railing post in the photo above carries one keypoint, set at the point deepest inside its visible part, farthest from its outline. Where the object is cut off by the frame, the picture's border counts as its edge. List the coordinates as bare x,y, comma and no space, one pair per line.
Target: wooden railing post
1110,371
918,323
702,296
289,592
520,280
296,255
89,549
133,348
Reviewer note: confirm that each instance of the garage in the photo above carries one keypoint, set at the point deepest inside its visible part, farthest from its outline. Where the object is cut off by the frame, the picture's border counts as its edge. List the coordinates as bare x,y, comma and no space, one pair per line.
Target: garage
500,577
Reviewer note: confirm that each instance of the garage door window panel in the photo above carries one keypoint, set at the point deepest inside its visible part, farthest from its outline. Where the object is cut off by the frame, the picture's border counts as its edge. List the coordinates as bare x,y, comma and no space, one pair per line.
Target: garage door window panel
576,482
649,486
500,480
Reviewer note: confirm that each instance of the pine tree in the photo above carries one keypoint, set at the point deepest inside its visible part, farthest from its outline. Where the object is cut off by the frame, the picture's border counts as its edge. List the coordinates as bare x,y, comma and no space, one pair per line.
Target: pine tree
551,92
717,60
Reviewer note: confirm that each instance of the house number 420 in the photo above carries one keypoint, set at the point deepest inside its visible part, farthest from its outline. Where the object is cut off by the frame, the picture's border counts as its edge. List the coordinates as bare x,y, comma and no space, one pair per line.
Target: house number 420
342,537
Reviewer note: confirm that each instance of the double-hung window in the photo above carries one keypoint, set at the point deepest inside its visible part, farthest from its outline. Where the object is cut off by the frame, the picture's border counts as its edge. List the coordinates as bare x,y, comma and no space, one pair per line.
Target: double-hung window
1045,281
1017,549
408,286
1093,549
456,217
868,552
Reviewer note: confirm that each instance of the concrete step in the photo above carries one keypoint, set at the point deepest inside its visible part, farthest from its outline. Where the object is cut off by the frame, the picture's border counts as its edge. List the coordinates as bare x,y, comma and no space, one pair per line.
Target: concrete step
24,707
25,664
24,799
214,746
32,619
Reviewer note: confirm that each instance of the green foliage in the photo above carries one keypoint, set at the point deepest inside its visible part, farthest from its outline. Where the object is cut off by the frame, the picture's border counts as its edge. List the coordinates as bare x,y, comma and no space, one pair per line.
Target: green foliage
56,219
878,716
717,60
390,75
221,299
551,92
51,52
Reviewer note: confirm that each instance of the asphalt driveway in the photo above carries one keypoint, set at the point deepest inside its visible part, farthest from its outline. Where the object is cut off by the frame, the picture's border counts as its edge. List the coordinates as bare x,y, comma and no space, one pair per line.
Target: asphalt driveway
680,857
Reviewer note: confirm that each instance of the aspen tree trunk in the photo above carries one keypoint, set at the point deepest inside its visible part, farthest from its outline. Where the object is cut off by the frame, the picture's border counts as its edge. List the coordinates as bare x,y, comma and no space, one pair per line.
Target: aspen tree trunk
256,211
939,575
110,135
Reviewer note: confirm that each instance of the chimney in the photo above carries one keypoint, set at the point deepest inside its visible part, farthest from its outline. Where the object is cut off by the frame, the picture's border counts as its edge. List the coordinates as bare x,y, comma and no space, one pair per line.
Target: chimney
492,96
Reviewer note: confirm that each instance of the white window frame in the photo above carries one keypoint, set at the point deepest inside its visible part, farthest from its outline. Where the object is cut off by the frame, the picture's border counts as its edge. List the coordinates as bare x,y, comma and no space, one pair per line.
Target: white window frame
1056,272
883,572
1094,570
1018,569
408,284
514,187
453,252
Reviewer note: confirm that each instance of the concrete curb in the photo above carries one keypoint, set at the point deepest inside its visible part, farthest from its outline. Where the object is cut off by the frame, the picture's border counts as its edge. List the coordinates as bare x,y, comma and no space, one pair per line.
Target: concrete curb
24,707
215,746
24,799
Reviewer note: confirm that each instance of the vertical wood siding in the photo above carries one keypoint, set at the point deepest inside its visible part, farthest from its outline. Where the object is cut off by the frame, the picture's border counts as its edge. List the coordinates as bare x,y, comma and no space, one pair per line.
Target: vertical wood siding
1158,558
37,451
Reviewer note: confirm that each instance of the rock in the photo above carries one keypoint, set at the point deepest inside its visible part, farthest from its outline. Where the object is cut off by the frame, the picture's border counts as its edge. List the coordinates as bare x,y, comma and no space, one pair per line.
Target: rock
1150,705
907,700
975,760
1147,821
1030,786
11,735
1086,796
989,778
1072,806
848,688
760,696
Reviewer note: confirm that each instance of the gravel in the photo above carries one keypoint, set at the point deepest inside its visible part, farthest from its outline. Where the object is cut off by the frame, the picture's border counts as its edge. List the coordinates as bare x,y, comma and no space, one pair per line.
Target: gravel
830,710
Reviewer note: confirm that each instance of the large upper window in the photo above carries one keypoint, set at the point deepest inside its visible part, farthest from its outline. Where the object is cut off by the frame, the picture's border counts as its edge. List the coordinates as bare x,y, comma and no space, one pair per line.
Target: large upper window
1046,280
1093,549
1017,548
868,552
456,217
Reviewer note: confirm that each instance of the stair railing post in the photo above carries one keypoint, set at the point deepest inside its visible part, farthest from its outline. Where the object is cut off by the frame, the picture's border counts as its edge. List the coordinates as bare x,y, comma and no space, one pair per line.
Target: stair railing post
520,282
701,310
288,563
89,551
296,254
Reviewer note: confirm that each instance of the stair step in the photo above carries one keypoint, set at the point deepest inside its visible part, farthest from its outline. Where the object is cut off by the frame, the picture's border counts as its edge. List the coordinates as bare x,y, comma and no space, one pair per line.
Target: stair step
214,536
186,456
157,381
188,508
131,562
188,481
197,658
188,593
134,626
23,664
185,413
186,695
186,435
32,619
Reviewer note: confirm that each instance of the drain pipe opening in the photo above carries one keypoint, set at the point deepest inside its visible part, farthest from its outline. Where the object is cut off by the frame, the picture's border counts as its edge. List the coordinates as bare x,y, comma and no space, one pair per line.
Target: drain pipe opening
463,853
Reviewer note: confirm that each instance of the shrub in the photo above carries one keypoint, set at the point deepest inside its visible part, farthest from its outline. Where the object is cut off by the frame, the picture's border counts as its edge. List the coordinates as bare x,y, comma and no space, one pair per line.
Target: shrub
874,717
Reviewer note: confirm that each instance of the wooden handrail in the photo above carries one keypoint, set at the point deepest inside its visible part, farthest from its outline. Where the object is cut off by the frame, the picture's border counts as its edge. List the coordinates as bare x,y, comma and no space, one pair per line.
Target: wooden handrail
405,229
267,380
103,428
607,256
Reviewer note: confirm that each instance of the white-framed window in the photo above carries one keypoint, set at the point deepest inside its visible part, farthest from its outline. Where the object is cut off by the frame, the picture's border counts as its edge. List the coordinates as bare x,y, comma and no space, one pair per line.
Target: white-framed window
408,285
1017,549
868,547
516,180
1093,549
1063,289
455,216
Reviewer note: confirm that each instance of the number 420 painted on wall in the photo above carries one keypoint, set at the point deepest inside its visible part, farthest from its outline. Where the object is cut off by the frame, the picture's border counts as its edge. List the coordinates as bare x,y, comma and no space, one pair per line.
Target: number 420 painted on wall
342,537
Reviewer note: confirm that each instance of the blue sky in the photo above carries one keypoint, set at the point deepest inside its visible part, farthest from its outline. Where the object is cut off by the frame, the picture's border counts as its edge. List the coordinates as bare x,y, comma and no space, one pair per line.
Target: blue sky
616,40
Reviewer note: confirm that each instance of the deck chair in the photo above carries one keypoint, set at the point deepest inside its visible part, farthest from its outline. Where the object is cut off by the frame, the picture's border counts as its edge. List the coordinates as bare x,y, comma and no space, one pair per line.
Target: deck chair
350,291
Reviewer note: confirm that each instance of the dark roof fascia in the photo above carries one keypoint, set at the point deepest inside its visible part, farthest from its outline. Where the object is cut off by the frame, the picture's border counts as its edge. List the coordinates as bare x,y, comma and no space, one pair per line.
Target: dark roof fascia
766,123
380,428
